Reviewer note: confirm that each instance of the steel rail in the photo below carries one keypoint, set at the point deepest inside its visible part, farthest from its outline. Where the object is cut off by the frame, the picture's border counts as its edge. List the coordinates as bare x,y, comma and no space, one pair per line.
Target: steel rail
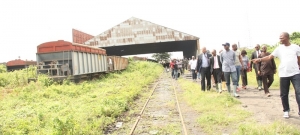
142,111
179,110
146,103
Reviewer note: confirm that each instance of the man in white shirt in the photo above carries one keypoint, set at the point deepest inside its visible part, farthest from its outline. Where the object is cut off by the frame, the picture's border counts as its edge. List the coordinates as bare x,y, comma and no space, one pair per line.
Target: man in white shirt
289,55
193,65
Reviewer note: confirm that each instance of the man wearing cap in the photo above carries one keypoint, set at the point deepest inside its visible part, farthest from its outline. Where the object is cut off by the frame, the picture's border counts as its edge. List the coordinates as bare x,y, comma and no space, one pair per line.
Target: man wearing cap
228,68
203,66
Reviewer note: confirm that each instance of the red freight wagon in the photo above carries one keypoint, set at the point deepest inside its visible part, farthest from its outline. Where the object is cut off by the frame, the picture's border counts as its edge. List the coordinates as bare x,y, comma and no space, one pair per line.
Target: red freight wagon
18,64
61,45
61,59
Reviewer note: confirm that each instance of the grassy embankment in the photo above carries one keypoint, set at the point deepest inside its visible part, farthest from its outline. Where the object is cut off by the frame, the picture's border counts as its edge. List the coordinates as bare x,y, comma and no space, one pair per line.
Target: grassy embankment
222,111
86,108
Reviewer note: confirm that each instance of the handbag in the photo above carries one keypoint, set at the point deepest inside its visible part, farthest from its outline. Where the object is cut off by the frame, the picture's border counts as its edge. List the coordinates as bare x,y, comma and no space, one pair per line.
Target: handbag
248,67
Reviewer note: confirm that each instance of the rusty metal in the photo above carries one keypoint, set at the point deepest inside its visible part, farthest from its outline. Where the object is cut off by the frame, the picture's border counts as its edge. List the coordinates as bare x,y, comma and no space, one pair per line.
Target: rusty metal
137,31
70,58
117,63
61,59
19,64
142,111
146,103
179,110
124,63
61,45
80,37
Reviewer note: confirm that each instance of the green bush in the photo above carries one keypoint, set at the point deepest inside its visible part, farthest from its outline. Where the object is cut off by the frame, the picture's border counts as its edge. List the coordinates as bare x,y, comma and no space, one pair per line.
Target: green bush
44,107
17,78
2,68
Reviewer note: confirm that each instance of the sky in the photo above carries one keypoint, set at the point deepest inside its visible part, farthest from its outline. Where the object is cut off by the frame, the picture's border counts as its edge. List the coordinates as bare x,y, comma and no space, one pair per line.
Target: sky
26,24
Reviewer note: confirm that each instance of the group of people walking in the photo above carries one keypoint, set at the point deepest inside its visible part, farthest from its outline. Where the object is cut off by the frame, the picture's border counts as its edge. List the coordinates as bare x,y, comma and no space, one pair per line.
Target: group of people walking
230,64
288,71
223,67
177,67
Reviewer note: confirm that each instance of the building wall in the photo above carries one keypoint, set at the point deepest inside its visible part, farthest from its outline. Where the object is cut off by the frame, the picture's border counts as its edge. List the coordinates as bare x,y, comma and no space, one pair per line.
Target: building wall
80,37
137,31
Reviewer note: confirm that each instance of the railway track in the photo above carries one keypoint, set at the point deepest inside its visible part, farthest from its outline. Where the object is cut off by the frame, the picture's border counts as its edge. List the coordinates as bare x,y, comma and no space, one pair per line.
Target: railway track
159,112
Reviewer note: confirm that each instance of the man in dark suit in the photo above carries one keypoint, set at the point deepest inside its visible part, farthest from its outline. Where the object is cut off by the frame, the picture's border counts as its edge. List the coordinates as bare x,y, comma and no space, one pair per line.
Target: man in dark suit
216,69
255,55
267,70
203,67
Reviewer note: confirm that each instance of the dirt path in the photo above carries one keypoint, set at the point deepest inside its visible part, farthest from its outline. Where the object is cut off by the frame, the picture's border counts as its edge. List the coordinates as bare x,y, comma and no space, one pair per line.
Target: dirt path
268,109
161,115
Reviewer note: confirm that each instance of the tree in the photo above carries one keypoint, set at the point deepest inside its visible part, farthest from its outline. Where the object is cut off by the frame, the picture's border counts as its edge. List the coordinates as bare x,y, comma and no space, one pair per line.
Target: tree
296,41
295,38
161,56
295,35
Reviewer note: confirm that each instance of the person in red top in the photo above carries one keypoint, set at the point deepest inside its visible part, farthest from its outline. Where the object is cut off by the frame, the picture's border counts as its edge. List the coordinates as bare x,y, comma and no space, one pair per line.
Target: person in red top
172,63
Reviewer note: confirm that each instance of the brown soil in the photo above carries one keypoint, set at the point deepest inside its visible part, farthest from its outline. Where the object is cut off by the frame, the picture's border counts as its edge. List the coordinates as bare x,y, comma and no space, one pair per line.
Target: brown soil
5,92
161,115
266,109
190,116
269,109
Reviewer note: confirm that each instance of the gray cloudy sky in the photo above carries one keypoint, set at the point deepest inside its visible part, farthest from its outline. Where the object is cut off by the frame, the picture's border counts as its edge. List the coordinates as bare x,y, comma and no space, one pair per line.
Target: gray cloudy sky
28,23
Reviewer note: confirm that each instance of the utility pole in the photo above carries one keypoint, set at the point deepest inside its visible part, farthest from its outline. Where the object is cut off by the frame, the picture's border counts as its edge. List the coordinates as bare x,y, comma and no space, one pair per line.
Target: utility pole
248,26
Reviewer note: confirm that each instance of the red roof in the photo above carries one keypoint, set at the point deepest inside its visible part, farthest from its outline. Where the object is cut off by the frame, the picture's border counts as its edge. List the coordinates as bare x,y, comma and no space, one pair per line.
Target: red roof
19,62
61,45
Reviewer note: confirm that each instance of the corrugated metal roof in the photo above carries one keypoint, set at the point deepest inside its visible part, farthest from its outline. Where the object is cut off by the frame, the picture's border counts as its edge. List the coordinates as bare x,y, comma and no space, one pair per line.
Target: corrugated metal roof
137,31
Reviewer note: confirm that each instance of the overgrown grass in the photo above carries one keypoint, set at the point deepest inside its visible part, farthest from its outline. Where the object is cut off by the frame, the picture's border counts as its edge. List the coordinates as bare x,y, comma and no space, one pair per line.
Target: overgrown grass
216,110
220,111
86,108
16,78
276,128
